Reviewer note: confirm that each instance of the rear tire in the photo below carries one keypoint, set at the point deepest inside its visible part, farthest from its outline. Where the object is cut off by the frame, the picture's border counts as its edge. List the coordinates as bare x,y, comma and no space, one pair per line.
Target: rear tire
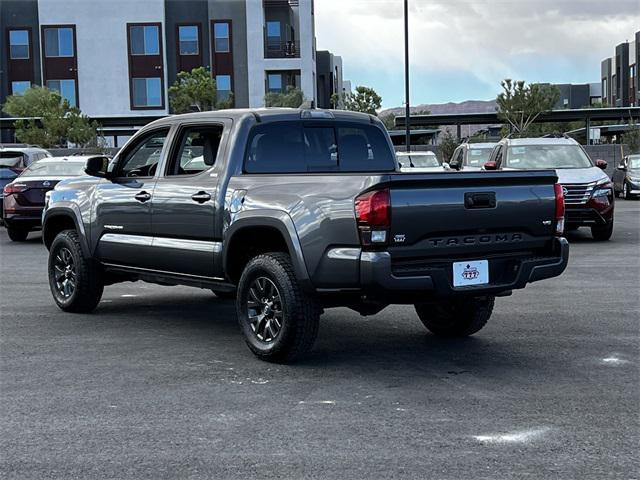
75,280
278,319
602,234
17,234
456,318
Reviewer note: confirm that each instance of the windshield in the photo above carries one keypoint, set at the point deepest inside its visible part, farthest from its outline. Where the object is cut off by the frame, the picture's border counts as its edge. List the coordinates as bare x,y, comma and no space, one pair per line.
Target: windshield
634,163
54,169
419,161
476,157
11,159
547,156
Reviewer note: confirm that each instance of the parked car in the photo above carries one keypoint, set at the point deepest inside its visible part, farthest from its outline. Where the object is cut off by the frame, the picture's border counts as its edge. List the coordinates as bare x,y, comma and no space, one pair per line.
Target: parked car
24,197
293,211
626,178
13,160
588,191
470,156
416,162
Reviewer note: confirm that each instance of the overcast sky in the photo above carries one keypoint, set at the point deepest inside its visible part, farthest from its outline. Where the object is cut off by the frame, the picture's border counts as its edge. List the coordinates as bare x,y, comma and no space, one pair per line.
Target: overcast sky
461,49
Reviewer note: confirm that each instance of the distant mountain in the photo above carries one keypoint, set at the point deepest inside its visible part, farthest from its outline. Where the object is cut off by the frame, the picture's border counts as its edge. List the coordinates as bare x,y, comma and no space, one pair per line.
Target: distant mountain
470,106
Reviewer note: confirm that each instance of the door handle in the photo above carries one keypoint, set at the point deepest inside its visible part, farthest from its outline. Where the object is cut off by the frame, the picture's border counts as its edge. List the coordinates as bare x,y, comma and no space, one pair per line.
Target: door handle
143,196
201,197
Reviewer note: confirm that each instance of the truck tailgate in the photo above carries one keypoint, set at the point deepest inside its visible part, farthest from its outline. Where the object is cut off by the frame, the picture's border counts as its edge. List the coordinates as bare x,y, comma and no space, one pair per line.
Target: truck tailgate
459,215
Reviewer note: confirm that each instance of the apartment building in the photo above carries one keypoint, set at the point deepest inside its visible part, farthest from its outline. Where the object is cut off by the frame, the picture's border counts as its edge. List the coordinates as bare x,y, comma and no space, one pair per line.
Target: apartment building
576,96
117,58
619,75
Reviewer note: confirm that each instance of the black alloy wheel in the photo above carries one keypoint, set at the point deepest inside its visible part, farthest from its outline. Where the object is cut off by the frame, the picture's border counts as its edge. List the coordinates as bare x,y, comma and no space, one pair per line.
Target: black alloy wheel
65,274
264,308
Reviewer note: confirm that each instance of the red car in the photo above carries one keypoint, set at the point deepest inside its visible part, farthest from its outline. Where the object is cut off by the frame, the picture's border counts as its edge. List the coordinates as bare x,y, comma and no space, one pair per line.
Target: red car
24,197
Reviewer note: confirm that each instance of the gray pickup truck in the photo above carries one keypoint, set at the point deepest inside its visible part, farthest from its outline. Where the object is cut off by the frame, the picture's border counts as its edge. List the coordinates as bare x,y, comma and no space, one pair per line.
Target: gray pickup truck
293,211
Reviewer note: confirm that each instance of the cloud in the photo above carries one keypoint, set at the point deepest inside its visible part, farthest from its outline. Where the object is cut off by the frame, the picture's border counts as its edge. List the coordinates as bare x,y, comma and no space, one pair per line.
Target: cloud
481,39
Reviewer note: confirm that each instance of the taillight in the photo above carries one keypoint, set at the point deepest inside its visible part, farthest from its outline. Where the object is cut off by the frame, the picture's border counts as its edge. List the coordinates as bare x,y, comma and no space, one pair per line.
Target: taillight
373,215
559,209
14,188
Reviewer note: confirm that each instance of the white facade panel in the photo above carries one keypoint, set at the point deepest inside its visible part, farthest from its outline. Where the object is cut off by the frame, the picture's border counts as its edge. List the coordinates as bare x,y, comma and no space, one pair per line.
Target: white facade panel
103,62
258,65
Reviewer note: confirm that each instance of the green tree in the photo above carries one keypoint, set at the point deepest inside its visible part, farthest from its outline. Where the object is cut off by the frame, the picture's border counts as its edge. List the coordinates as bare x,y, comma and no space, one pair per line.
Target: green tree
195,90
49,120
365,99
448,144
292,98
520,105
389,121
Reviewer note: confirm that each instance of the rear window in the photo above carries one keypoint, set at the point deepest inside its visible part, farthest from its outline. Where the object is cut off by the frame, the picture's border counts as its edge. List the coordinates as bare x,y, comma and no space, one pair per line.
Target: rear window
292,147
12,159
54,169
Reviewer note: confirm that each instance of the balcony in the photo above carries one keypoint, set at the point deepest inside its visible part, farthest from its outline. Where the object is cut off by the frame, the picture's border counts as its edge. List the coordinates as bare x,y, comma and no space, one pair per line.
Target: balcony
281,49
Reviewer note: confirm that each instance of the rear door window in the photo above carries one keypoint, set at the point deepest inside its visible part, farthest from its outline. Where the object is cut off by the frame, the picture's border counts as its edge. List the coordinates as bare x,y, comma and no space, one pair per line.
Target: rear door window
292,147
12,159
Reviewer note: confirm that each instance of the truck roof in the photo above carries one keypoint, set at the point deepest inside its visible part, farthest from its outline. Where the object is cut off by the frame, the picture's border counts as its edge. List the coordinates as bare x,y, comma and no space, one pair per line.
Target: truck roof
268,114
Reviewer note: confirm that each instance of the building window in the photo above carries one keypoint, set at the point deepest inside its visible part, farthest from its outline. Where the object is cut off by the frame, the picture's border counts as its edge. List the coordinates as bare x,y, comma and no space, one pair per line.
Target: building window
221,33
19,87
58,42
19,44
66,89
147,92
145,40
223,84
273,32
274,82
188,38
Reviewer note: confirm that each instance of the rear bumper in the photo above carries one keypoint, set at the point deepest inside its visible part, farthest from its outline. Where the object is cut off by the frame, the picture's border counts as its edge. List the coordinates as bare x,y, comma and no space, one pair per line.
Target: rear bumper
25,217
381,280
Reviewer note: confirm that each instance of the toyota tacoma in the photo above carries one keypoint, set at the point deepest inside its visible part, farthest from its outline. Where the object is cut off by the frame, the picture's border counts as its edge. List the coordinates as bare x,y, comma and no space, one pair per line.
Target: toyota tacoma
293,211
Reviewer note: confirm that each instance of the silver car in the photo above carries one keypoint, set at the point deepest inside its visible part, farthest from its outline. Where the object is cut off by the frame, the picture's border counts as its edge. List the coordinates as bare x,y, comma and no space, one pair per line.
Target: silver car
419,162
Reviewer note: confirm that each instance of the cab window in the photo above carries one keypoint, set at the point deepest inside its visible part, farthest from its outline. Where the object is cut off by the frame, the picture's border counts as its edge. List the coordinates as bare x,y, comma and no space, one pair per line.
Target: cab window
141,159
196,151
292,147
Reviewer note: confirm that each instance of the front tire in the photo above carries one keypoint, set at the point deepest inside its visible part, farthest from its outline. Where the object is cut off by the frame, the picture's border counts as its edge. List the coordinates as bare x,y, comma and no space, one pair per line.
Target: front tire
278,320
602,233
456,318
75,280
17,234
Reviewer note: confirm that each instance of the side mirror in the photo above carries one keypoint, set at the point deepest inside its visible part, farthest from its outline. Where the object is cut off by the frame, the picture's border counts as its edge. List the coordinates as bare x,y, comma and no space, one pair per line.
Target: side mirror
601,164
622,167
455,164
446,166
490,166
97,167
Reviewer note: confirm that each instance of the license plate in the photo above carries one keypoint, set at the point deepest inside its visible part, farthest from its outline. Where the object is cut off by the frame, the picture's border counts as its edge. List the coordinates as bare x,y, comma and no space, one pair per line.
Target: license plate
470,273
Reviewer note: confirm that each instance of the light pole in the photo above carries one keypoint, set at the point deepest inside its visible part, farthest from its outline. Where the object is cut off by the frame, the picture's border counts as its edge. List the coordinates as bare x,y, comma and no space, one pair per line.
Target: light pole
407,112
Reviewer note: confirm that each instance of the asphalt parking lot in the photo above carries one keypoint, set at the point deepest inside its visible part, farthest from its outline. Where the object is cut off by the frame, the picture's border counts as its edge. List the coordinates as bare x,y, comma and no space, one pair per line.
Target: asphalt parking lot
157,383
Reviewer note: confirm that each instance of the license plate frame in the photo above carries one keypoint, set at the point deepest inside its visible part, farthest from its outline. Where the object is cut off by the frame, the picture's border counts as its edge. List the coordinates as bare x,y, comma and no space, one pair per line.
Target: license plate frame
470,273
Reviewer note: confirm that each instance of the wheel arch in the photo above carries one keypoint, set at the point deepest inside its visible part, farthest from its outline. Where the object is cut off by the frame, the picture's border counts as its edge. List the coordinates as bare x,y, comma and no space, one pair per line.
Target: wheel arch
63,219
262,232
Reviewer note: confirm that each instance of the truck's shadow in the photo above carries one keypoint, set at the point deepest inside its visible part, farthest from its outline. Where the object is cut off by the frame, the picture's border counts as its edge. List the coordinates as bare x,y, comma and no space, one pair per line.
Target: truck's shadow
208,325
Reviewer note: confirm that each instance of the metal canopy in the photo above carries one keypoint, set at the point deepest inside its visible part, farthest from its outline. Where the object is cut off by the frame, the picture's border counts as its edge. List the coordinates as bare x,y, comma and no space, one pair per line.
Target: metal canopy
619,113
